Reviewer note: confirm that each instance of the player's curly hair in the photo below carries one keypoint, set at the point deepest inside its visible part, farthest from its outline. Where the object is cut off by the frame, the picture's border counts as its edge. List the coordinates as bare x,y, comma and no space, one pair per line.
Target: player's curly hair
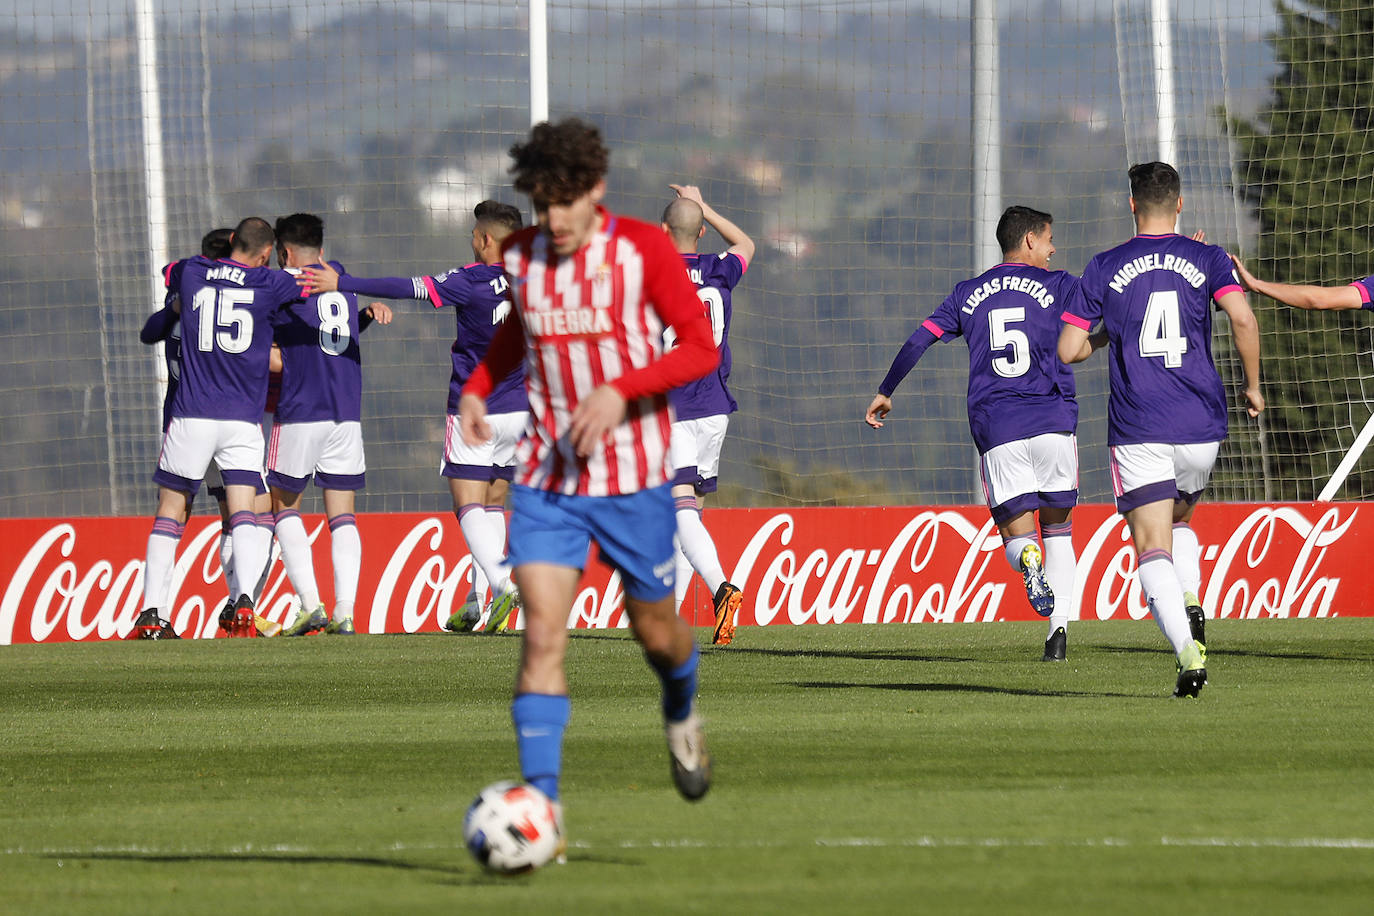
560,162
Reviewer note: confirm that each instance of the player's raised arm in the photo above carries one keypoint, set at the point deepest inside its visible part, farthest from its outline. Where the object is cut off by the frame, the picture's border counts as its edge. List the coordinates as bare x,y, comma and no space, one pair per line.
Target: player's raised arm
739,241
1300,295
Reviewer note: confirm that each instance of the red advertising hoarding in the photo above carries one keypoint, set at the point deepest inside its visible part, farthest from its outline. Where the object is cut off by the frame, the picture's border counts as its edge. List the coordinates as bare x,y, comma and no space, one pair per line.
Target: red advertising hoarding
82,579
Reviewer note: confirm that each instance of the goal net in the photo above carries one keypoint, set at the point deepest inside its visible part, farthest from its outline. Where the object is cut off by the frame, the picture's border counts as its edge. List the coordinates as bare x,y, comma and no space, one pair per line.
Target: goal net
842,136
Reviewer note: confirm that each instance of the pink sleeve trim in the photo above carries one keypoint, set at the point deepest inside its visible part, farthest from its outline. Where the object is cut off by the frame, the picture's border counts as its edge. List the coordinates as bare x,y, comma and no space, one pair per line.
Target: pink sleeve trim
744,262
1230,288
167,275
933,328
1364,291
1077,322
433,291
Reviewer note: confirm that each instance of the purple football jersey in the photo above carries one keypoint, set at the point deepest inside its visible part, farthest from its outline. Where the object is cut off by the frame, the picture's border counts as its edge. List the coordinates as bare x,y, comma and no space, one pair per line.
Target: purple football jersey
1155,294
321,363
164,326
478,296
715,275
1363,287
227,314
1009,318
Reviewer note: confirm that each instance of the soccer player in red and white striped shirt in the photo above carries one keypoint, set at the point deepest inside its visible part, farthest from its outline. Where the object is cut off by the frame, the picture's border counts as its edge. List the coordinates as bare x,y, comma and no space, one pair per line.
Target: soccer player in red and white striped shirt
592,292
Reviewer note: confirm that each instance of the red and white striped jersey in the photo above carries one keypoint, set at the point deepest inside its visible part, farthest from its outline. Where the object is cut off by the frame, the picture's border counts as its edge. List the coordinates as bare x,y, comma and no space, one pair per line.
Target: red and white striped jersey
591,318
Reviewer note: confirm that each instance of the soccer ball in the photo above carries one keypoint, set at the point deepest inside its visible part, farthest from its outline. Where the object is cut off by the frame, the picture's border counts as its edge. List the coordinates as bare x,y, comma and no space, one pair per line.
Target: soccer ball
511,827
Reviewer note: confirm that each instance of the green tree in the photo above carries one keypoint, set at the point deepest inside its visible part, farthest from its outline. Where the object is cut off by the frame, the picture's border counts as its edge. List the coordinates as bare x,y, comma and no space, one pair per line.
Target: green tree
1305,163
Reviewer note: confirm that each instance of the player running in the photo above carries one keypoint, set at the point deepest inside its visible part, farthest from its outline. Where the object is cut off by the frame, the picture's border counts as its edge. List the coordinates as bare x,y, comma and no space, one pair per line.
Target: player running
228,308
479,476
1166,413
1022,409
592,293
702,408
318,429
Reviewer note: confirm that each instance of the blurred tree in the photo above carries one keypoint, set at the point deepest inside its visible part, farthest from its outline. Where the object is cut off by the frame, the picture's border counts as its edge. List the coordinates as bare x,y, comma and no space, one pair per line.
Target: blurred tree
1307,165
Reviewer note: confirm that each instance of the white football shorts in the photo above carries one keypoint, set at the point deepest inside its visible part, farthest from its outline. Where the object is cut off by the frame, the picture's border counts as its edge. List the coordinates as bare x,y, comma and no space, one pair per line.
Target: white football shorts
1187,467
1047,463
497,452
302,450
697,444
191,443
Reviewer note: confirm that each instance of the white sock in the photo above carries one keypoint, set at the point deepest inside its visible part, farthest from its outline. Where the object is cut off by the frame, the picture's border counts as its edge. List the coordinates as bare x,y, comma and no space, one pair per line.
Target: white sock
226,562
346,551
1187,557
1159,582
697,545
1061,566
1013,546
472,518
295,556
161,558
248,548
682,572
267,528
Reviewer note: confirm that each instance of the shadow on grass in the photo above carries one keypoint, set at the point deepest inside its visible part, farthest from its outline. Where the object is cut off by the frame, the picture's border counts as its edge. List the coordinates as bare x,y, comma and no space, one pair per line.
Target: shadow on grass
266,859
465,874
1240,653
860,655
958,688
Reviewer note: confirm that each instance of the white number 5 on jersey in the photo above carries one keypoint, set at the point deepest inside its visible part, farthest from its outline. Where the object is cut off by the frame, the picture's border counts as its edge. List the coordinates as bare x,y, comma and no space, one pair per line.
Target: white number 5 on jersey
1160,329
1000,337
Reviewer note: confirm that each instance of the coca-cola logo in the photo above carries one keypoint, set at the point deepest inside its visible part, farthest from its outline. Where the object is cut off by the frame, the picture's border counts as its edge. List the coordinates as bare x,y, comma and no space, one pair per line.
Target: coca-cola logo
81,579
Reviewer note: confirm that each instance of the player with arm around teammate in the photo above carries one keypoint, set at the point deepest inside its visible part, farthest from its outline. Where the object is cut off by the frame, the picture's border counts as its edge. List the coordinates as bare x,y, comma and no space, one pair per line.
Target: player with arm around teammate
1167,407
317,429
1357,294
592,292
479,475
702,408
164,327
1022,408
228,308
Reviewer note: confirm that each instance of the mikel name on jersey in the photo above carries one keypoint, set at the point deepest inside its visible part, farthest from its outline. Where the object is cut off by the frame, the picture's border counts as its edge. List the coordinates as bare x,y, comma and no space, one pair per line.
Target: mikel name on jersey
229,272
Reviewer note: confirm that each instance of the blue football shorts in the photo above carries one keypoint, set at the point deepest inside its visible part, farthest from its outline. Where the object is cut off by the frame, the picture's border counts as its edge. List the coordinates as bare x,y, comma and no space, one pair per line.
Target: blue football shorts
634,534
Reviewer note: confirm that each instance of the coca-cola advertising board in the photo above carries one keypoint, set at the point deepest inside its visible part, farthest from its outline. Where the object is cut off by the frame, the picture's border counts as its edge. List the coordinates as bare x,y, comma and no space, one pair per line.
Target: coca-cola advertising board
82,579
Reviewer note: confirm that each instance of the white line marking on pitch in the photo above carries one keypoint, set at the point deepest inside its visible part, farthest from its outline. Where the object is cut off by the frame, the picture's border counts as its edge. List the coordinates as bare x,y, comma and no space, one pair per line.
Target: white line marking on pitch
929,842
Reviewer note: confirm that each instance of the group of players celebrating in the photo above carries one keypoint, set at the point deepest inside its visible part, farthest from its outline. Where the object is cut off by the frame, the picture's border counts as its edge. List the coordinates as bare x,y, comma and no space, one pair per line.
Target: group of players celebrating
305,318
589,388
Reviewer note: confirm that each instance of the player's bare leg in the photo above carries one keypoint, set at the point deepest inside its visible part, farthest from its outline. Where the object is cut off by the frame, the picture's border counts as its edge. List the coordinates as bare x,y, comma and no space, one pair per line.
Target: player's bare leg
667,642
346,554
1152,531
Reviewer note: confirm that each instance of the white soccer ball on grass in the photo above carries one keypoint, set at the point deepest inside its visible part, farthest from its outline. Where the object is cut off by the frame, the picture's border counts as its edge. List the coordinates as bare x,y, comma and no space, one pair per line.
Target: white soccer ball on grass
511,827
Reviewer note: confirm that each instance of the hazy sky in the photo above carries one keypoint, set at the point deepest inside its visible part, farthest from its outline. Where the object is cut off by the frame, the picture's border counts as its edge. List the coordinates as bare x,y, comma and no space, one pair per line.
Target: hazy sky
84,17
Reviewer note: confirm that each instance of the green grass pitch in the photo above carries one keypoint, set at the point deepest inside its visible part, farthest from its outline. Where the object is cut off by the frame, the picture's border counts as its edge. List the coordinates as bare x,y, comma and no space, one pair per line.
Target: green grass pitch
884,769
